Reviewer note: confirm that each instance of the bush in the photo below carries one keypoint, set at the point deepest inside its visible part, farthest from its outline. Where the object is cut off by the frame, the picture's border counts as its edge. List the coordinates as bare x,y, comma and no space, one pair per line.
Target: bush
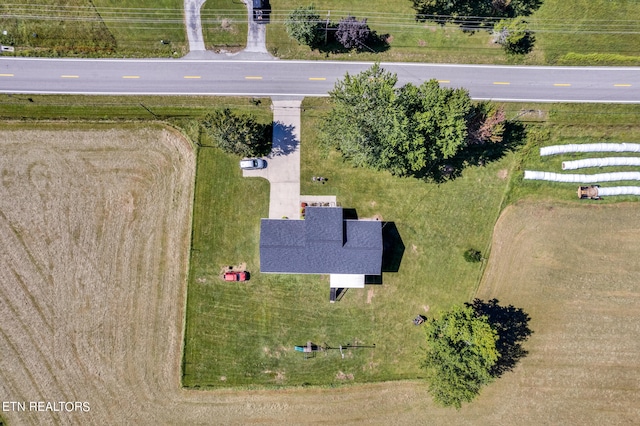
472,255
238,134
352,33
513,36
303,25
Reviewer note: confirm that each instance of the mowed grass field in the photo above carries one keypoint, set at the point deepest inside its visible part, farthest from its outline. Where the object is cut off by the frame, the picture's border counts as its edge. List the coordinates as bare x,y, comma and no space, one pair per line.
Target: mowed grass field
574,269
94,232
587,32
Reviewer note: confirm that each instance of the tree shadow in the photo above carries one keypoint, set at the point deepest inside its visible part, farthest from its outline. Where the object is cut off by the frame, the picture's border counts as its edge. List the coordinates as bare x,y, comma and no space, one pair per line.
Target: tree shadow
392,247
327,42
284,140
478,155
512,326
378,42
525,45
264,145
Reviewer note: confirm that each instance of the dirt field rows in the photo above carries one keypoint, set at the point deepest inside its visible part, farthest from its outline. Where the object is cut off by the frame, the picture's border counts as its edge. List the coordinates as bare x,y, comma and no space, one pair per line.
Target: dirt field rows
94,236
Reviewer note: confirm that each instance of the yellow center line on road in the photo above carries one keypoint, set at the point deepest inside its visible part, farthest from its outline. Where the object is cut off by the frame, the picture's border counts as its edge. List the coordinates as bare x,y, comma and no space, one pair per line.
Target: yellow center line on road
317,78
501,82
444,81
253,78
562,84
191,76
130,76
6,75
621,85
69,76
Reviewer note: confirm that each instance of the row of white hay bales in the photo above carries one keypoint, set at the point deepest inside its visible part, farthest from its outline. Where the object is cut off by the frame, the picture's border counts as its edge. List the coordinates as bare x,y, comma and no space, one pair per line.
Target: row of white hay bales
579,178
590,147
593,162
600,162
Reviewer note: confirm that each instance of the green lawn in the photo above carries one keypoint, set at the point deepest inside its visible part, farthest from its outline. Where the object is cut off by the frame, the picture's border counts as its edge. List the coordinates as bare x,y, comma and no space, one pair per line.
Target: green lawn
224,24
139,25
410,40
581,32
95,28
588,32
244,333
181,111
68,107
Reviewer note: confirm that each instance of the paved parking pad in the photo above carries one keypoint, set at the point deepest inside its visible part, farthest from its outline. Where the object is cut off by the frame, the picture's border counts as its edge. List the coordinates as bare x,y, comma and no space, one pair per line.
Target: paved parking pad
283,163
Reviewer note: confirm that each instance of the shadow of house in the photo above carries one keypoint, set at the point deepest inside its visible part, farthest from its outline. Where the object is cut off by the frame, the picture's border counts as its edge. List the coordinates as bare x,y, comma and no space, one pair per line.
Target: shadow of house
392,252
284,140
392,247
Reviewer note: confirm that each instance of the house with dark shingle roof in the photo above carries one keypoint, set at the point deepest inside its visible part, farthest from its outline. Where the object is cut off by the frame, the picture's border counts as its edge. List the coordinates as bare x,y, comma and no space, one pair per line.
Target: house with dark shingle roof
323,243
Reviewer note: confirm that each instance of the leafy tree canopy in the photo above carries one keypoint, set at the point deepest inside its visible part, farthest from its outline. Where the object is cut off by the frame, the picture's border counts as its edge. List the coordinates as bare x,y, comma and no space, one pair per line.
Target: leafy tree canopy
460,355
352,33
472,13
514,36
238,134
303,25
404,130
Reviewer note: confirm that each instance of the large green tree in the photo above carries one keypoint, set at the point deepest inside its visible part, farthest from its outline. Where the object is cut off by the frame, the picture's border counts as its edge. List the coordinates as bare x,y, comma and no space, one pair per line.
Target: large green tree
303,25
472,12
461,352
239,134
405,130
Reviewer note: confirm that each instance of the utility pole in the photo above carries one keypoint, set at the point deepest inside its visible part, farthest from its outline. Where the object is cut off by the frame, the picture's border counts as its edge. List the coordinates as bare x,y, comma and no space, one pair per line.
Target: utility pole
326,27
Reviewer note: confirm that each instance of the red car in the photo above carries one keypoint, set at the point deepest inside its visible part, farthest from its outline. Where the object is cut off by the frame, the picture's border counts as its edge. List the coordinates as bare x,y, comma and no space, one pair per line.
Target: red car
235,276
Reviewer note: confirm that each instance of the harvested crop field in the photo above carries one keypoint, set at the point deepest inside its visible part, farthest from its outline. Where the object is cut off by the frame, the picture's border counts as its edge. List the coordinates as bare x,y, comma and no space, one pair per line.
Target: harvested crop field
574,269
94,233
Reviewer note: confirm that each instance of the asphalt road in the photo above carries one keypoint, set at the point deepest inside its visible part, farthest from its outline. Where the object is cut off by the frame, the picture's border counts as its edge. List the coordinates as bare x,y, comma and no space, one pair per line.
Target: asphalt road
302,78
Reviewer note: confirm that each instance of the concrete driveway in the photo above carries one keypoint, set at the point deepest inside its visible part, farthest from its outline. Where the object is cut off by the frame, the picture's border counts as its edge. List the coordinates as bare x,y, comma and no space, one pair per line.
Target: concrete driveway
257,35
256,48
194,24
283,163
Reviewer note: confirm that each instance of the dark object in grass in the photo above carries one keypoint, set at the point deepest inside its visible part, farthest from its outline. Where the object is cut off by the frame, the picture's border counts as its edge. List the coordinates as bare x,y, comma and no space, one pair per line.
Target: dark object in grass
472,255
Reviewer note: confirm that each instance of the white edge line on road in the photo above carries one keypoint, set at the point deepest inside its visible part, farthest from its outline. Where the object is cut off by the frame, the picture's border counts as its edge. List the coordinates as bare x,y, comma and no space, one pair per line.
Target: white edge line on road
344,63
254,94
311,95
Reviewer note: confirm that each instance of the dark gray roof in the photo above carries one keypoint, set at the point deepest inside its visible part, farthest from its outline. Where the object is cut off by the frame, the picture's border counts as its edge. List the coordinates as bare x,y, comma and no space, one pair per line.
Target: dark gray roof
323,243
